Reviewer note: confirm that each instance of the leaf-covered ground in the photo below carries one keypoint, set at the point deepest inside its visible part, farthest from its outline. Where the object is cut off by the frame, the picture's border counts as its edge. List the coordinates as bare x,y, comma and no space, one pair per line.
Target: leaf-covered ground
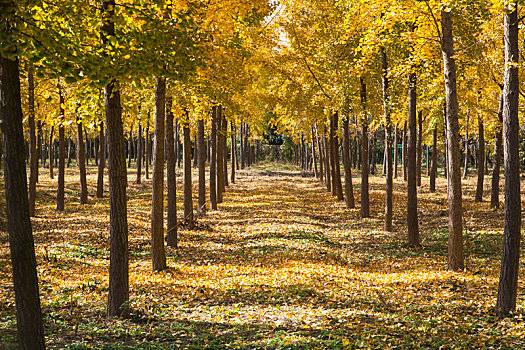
281,264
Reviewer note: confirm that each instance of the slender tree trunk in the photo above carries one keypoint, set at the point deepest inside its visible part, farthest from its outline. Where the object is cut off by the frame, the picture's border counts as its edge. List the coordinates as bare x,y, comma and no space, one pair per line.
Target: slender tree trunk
140,155
396,152
349,189
321,159
389,188
81,162
33,156
412,219
61,157
40,150
433,171
202,168
220,155
328,177
336,168
314,155
404,152
233,155
188,199
465,169
69,149
481,161
365,202
243,156
51,153
158,255
225,153
171,230
148,151
213,160
498,150
508,280
102,162
21,244
130,146
419,159
455,222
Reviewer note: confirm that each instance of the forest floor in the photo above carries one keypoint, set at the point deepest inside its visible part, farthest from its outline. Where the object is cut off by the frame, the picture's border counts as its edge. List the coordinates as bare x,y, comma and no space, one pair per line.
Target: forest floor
280,265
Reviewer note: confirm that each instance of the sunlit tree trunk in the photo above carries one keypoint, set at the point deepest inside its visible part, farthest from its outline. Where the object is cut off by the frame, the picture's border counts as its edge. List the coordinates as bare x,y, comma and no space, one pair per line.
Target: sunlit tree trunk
171,177
389,188
481,161
433,170
188,196
412,219
213,160
140,155
349,189
419,159
365,204
202,167
61,156
81,162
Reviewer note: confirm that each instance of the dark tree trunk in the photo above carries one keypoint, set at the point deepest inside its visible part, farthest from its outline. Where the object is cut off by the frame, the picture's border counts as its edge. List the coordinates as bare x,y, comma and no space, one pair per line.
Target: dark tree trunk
195,151
21,244
365,202
412,219
51,152
220,155
396,151
419,159
233,155
321,159
148,140
508,280
140,155
328,177
69,149
481,161
213,160
225,151
433,171
336,168
404,151
349,189
314,153
61,157
498,150
188,199
130,146
40,150
102,162
202,168
465,168
158,255
171,230
455,222
81,162
243,156
33,156
118,223
389,188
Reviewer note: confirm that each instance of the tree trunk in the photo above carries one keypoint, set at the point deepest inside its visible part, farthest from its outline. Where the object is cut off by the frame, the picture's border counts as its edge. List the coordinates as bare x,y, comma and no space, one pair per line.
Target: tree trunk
465,169
389,188
69,149
33,156
40,150
481,161
61,157
202,168
21,244
498,150
243,156
51,153
433,171
328,172
396,151
508,280
213,160
419,159
336,168
412,217
130,146
171,230
314,153
148,151
220,155
81,162
102,162
349,189
455,222
404,151
158,255
365,203
225,153
321,159
233,155
188,199
140,155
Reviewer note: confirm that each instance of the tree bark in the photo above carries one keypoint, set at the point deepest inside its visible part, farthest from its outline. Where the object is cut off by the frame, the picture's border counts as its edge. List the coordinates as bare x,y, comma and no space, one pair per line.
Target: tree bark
396,151
158,255
233,155
508,280
220,155
21,244
225,149
213,161
498,150
61,157
349,189
404,152
202,168
69,149
433,171
365,203
412,217
51,153
102,161
389,188
465,169
455,222
81,162
140,155
481,161
148,150
118,229
419,158
314,153
336,168
171,161
328,173
33,156
188,199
